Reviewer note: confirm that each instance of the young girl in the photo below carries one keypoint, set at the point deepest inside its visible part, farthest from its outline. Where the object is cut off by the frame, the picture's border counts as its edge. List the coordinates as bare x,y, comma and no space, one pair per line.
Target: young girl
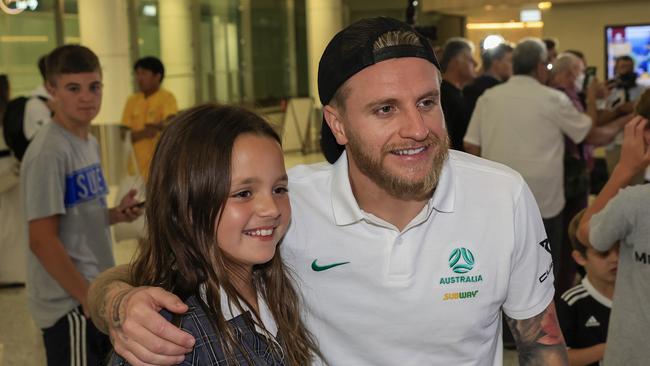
217,208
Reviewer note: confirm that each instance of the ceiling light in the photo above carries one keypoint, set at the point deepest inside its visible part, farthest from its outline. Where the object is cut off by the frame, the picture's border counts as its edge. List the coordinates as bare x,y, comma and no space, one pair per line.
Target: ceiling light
492,41
530,15
149,10
508,25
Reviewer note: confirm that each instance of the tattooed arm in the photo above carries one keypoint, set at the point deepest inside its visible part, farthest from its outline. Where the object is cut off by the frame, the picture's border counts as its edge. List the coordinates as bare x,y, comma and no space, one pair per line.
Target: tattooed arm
539,339
103,288
130,316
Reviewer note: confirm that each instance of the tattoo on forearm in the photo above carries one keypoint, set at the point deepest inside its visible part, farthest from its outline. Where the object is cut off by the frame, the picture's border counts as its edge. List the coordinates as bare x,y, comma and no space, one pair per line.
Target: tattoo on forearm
539,339
116,319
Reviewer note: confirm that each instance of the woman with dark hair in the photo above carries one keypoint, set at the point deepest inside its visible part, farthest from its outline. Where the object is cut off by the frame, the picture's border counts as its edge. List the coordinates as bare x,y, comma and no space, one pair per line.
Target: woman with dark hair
217,207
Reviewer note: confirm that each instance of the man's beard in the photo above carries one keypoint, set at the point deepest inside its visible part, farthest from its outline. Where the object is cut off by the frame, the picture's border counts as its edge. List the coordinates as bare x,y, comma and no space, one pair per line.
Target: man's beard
395,185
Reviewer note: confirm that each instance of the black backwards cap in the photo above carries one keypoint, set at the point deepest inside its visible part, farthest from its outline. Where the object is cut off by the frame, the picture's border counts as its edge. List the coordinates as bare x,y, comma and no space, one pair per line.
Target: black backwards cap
350,51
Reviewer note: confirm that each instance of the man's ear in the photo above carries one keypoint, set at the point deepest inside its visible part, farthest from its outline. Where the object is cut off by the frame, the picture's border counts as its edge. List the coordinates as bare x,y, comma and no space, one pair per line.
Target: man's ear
50,88
333,118
579,258
539,71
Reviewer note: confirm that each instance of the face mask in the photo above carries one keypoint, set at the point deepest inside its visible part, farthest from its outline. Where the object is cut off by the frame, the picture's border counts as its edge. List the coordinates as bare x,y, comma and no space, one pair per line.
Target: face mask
579,82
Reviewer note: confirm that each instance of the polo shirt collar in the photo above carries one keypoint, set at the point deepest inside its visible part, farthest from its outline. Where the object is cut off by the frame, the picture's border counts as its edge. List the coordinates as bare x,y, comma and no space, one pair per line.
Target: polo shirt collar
231,311
445,195
154,95
347,211
523,79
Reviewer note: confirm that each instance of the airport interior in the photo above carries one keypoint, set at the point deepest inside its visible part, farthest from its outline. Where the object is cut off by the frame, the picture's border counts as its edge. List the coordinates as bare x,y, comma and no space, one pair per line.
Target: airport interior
264,55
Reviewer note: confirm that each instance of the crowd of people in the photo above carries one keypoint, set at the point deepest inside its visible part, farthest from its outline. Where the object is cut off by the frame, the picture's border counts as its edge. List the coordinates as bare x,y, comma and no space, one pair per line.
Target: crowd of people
453,202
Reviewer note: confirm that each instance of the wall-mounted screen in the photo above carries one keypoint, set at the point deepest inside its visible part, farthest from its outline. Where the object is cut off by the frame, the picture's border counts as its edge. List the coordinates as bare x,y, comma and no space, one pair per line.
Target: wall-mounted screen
632,40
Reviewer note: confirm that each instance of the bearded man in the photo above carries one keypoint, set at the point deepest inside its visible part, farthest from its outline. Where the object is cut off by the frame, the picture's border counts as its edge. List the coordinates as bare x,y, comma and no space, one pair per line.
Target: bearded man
405,252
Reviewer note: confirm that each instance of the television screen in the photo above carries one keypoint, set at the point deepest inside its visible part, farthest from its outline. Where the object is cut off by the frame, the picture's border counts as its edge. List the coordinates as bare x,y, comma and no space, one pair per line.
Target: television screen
632,40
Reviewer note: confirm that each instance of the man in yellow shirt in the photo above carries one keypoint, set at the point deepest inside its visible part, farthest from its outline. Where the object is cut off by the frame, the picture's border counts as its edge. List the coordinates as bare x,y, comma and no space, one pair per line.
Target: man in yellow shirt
145,112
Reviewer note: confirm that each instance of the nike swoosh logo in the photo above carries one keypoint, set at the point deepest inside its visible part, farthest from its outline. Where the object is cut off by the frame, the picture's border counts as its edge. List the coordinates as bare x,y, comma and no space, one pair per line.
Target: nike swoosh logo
316,268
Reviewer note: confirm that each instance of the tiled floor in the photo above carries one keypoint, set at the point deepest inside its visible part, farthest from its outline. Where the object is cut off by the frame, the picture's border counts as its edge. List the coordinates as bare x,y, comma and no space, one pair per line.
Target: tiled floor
20,339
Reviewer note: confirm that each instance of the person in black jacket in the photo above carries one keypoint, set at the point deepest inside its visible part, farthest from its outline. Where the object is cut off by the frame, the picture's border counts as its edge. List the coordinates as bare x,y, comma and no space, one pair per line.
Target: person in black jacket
457,66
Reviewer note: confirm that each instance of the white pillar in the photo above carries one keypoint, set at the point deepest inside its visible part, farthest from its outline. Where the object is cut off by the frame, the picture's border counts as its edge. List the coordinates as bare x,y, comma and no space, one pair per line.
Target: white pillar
103,28
324,20
175,24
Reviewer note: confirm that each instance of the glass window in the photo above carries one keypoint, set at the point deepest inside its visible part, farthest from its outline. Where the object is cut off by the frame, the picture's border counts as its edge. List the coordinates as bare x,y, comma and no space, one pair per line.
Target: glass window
148,31
220,59
24,38
71,22
253,51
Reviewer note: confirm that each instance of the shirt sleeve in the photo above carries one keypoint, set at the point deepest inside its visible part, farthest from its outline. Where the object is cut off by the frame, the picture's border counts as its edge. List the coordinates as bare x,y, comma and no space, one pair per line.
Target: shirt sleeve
473,134
567,322
571,121
530,288
612,223
44,186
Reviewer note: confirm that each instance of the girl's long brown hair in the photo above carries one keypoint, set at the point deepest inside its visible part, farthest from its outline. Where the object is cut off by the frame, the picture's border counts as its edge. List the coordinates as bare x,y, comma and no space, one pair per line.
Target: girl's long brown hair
188,185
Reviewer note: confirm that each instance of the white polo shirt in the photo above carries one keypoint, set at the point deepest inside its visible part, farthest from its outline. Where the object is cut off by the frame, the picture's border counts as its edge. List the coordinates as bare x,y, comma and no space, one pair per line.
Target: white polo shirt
431,294
522,124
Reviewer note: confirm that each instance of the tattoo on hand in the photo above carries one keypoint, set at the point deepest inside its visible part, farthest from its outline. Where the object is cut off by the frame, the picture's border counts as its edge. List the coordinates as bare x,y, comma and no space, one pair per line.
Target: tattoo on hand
539,339
116,319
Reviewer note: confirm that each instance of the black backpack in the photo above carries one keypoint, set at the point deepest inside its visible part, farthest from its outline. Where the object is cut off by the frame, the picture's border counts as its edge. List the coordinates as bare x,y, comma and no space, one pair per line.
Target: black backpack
13,126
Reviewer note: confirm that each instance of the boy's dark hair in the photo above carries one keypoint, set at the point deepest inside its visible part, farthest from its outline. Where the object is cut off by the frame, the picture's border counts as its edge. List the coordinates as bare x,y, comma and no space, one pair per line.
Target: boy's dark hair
41,66
152,64
70,59
576,244
496,53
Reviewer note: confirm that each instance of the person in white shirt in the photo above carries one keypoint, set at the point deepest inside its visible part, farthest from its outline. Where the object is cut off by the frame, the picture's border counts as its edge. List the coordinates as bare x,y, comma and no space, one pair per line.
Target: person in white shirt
38,111
13,240
522,124
405,252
